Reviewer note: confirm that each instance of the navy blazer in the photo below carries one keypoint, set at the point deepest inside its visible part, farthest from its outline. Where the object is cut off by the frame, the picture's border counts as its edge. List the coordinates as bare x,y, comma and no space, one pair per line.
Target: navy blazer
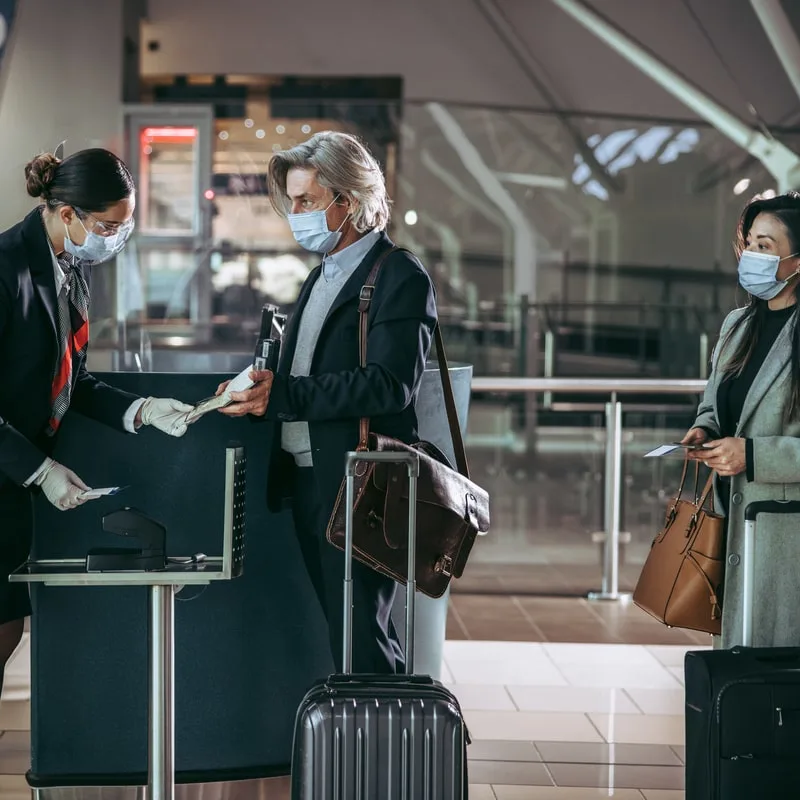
402,318
29,351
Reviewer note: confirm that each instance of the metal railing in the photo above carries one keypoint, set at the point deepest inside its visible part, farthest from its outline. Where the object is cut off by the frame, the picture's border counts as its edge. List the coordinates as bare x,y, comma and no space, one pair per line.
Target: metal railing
613,450
589,385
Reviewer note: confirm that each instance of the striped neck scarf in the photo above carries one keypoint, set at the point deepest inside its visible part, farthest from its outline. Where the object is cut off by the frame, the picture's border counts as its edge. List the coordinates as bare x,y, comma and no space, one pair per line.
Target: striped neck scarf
73,337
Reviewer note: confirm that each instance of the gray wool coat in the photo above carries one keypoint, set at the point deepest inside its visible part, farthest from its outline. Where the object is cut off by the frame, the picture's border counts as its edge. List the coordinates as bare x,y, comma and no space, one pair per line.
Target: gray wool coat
776,462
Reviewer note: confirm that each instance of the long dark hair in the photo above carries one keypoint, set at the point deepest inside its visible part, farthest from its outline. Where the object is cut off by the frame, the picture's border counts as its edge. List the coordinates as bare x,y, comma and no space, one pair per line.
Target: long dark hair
91,180
786,209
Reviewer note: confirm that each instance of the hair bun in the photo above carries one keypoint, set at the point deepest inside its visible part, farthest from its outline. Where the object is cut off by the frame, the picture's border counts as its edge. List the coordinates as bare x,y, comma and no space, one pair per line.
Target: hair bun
39,175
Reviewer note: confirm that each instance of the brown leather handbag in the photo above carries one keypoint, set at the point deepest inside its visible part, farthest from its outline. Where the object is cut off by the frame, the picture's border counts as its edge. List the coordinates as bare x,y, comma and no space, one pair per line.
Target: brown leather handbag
451,509
681,581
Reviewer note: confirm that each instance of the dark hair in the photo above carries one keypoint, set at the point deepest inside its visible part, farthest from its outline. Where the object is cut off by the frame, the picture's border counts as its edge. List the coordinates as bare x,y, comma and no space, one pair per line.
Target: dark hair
786,209
92,180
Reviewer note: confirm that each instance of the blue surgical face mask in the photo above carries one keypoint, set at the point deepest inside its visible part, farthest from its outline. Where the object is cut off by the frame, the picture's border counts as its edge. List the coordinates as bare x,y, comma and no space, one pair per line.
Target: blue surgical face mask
311,230
96,248
758,274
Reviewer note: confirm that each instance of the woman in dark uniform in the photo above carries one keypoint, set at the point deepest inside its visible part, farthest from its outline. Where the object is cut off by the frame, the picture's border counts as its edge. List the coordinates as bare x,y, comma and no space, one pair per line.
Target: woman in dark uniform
85,218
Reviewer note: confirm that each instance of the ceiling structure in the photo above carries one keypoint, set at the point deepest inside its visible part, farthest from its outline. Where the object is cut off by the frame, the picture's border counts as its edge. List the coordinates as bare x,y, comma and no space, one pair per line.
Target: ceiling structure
522,127
455,52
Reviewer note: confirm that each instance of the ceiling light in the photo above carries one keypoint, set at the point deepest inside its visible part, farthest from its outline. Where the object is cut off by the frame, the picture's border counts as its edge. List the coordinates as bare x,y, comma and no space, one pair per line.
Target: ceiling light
411,217
742,186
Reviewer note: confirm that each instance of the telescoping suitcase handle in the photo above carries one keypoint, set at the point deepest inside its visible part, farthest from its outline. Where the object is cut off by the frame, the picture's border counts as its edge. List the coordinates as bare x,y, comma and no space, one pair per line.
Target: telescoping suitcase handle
411,460
751,512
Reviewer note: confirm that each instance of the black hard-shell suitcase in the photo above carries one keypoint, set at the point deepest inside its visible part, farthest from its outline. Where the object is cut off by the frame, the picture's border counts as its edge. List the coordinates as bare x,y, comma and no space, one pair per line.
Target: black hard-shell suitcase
743,706
379,737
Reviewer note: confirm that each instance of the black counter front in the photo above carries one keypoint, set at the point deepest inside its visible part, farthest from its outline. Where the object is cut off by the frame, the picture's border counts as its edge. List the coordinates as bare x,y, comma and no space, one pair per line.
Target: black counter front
245,650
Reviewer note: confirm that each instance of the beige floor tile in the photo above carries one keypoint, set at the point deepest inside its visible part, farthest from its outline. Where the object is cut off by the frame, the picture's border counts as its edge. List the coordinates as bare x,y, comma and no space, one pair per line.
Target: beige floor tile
651,676
479,791
672,655
624,655
12,741
14,762
15,707
677,673
659,755
519,773
483,697
266,789
529,726
641,729
18,670
663,794
574,699
446,676
658,701
561,793
501,663
14,787
502,750
15,715
622,776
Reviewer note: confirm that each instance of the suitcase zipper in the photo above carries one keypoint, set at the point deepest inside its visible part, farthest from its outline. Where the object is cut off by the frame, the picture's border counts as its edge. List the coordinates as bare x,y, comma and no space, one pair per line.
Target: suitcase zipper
722,691
716,755
728,686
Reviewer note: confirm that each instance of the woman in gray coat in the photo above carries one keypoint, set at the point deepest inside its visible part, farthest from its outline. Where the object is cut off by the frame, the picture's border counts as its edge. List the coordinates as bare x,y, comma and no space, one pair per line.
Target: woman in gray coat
749,421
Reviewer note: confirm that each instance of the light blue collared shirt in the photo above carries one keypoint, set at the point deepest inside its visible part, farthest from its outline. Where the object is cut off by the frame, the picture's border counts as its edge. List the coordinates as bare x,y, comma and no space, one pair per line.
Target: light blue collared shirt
344,262
336,269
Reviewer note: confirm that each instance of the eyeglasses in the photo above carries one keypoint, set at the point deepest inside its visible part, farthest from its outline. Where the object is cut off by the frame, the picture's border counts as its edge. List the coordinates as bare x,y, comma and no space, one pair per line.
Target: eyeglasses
104,228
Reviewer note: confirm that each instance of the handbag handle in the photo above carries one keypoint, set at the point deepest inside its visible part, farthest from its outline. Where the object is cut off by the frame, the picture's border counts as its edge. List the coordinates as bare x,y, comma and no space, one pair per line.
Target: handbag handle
364,302
708,490
683,479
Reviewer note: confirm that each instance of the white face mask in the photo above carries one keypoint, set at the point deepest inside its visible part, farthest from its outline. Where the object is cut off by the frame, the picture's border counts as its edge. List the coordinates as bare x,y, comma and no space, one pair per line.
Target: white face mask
311,230
758,274
96,248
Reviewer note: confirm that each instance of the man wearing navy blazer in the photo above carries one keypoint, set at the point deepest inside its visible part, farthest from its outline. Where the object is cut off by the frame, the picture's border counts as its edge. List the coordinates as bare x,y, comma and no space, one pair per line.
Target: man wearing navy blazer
333,193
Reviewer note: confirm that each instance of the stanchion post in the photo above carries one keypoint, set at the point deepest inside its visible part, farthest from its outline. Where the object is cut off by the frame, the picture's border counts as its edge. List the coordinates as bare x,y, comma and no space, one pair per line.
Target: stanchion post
704,355
161,778
613,505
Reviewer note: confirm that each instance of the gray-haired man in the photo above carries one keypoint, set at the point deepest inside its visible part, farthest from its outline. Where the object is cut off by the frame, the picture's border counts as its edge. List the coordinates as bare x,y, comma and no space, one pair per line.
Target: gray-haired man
333,193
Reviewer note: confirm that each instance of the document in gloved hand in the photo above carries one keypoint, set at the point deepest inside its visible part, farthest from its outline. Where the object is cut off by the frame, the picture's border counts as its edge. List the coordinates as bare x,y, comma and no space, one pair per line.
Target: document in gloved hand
94,494
240,383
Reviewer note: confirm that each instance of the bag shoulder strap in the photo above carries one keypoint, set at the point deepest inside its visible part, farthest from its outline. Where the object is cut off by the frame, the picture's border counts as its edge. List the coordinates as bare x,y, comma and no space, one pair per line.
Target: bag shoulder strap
364,302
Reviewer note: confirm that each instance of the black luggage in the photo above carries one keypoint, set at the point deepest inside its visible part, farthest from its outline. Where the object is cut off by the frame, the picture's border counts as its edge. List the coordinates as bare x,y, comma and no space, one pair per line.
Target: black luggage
379,737
743,705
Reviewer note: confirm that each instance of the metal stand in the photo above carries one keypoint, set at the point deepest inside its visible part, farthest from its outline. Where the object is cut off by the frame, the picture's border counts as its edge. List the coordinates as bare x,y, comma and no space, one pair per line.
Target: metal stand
613,506
162,587
161,744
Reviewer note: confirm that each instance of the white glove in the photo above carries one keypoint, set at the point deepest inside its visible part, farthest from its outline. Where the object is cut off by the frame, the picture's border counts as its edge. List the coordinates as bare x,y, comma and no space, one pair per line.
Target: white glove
166,414
61,486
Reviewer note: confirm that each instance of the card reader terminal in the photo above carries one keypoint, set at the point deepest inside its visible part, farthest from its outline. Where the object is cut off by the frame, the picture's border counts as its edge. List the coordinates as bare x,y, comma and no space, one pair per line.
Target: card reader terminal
152,537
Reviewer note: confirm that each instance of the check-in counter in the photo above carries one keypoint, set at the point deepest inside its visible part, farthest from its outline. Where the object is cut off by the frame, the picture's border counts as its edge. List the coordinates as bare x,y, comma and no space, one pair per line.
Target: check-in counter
245,650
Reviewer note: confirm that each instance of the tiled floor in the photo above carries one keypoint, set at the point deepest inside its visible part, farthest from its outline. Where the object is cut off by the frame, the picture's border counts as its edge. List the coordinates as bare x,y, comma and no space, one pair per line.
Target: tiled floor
523,618
564,579
549,721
